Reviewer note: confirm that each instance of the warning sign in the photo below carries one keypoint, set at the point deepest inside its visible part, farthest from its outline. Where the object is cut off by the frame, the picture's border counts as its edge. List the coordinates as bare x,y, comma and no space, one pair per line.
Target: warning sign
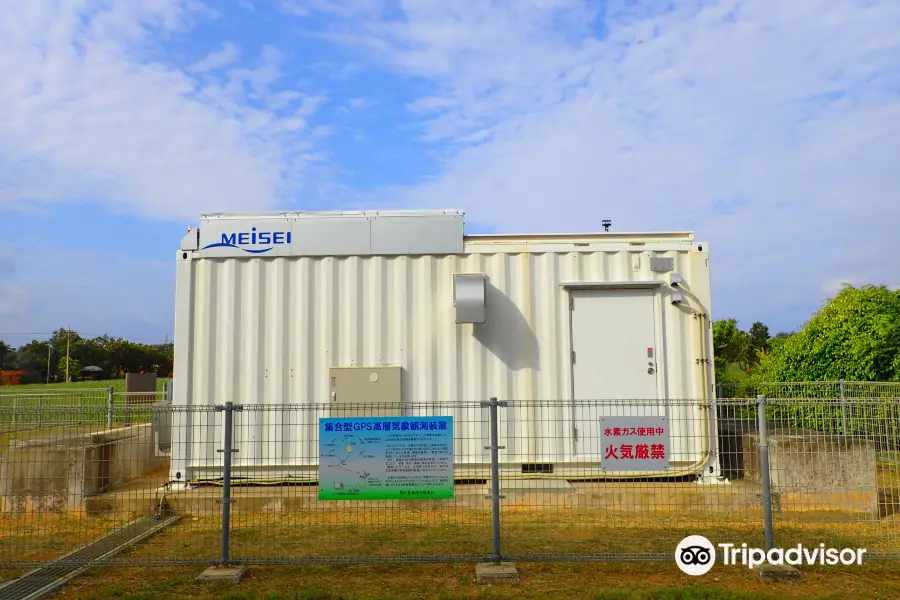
634,443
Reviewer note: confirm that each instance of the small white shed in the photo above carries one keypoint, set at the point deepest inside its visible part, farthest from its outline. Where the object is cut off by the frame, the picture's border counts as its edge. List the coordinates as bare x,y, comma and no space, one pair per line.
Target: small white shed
402,307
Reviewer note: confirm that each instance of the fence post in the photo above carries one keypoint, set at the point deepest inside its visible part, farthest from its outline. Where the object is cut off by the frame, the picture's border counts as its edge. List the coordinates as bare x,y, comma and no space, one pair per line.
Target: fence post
843,407
111,408
41,411
763,451
227,451
15,402
495,447
719,389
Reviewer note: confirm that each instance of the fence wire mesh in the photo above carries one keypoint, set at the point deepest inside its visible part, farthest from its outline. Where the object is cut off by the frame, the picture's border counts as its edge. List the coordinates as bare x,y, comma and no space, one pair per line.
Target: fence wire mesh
584,480
751,388
834,471
24,411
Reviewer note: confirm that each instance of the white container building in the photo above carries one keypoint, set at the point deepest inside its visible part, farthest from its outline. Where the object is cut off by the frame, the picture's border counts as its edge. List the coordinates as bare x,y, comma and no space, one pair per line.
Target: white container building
403,308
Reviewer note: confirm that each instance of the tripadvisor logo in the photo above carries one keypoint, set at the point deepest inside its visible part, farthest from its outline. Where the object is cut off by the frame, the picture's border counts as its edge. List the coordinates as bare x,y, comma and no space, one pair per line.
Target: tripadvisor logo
696,555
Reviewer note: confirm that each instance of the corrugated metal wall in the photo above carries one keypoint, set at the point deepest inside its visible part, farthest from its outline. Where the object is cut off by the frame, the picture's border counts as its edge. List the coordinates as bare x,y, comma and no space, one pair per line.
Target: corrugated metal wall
266,331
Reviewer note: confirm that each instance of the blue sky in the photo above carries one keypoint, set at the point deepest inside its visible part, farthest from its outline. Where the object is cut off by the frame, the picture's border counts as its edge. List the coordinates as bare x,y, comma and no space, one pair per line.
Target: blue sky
770,128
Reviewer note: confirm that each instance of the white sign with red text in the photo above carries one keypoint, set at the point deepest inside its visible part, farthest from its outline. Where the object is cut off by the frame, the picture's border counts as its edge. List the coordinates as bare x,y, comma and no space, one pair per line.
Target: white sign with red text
634,443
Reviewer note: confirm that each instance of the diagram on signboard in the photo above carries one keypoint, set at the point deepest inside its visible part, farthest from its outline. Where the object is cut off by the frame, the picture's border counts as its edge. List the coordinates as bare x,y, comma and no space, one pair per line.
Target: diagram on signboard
344,456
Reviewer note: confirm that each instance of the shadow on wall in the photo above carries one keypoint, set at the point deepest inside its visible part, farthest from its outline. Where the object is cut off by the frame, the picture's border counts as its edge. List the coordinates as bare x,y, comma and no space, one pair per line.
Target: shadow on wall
506,333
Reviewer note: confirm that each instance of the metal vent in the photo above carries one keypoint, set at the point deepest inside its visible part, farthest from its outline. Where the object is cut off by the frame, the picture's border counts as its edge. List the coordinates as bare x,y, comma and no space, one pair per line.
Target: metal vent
469,297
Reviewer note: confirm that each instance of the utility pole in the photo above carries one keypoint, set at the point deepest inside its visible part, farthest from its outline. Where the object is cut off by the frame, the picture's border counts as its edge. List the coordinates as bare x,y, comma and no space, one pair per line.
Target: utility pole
68,333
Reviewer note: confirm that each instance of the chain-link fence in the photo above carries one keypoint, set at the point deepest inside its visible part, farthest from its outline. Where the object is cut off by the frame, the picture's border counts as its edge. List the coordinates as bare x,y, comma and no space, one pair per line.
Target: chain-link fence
750,388
444,482
36,411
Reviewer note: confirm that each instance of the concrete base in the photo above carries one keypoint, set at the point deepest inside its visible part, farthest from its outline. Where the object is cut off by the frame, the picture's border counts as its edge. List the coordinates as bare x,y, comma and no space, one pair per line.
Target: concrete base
535,486
630,498
713,480
686,498
229,574
776,573
493,572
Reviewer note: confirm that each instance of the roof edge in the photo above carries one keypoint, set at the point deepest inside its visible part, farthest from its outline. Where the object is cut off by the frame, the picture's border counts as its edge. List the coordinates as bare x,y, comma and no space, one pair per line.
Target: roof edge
616,236
330,213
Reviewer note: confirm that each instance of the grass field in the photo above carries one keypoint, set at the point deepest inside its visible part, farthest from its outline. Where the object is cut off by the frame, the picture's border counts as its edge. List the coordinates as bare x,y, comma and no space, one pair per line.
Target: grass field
77,404
597,581
267,537
292,535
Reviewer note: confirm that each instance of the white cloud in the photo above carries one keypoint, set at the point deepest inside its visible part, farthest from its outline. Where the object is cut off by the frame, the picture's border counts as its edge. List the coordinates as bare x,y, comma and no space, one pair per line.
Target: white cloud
87,112
360,103
771,128
224,56
342,8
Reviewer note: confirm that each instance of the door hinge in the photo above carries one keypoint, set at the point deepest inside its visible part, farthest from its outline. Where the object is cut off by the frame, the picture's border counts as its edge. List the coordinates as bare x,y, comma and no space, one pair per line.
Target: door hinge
576,434
573,357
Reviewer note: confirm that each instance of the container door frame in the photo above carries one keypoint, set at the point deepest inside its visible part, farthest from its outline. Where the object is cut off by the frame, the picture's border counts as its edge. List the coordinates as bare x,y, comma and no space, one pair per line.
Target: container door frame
659,330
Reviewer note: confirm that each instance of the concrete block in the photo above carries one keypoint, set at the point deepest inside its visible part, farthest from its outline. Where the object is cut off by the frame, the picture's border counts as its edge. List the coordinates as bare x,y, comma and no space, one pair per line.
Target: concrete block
775,573
227,574
814,471
494,572
56,474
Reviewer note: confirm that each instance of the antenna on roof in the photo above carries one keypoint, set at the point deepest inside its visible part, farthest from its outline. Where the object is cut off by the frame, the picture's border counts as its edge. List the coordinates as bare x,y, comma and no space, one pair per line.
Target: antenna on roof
606,223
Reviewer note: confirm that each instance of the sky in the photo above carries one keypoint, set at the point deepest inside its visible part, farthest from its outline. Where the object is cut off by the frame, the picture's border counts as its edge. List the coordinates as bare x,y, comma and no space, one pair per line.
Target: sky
770,128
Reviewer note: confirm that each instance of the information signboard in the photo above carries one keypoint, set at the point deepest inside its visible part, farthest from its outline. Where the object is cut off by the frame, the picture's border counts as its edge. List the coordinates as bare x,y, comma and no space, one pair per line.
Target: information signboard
385,458
634,443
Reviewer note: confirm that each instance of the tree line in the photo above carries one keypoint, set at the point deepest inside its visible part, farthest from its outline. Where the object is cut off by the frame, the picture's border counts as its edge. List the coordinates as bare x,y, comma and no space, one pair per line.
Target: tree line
46,361
853,336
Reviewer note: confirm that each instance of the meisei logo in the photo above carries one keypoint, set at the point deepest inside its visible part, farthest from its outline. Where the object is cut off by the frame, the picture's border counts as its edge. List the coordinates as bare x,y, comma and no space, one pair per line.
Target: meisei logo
255,242
696,555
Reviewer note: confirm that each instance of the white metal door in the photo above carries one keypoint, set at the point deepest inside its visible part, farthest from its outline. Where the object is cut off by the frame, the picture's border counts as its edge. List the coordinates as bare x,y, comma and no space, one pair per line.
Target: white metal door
615,357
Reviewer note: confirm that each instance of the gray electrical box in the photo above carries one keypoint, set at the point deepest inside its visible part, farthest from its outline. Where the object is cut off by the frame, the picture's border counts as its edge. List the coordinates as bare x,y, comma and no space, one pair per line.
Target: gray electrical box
469,297
161,427
378,388
662,264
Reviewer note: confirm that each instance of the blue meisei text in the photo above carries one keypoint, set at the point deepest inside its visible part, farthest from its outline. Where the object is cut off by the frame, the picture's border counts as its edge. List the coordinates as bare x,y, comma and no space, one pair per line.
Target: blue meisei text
252,241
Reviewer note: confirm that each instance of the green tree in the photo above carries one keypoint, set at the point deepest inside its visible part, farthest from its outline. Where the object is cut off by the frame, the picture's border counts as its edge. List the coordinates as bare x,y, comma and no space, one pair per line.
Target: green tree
759,337
7,356
74,368
855,335
32,358
731,346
